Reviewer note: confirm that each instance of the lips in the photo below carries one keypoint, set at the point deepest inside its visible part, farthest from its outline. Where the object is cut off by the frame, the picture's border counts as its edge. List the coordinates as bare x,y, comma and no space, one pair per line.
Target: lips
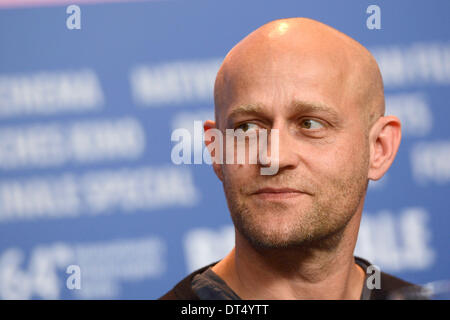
278,193
277,190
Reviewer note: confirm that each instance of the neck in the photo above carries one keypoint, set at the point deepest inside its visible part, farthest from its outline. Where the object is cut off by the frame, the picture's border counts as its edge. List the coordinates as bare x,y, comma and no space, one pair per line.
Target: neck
309,272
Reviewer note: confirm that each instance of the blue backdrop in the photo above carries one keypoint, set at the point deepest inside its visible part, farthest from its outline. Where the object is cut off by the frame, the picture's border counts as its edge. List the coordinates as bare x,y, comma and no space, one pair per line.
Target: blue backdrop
86,117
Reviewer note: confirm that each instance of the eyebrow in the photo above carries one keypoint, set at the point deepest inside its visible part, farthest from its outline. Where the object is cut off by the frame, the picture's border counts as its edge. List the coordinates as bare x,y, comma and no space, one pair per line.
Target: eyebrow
246,110
317,107
295,108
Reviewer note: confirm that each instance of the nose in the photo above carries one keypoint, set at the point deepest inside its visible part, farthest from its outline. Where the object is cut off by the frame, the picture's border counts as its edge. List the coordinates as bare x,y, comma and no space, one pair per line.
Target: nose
283,149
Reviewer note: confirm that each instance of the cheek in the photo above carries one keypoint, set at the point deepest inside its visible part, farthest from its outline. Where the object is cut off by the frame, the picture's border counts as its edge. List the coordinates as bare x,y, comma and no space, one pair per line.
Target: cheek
239,175
340,161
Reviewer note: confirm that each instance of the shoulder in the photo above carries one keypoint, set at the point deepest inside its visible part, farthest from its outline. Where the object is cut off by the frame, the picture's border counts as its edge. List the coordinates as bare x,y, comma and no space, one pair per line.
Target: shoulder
388,283
183,289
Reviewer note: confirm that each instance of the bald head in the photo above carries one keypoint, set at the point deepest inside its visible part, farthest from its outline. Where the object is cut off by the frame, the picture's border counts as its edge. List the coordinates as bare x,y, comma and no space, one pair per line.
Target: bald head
301,49
318,92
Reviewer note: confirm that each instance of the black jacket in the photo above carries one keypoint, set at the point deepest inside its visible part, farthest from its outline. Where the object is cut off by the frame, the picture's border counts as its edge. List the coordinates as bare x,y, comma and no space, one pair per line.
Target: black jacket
183,289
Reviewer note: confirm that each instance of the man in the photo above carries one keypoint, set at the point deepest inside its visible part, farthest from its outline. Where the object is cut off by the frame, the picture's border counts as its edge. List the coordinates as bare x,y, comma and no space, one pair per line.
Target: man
295,231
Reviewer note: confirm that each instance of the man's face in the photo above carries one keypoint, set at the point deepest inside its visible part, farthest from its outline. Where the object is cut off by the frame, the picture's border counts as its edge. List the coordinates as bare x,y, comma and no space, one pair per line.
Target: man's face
323,151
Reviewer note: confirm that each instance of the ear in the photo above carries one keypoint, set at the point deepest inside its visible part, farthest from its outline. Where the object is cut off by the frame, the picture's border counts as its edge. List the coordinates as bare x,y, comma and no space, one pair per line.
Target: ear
384,140
209,124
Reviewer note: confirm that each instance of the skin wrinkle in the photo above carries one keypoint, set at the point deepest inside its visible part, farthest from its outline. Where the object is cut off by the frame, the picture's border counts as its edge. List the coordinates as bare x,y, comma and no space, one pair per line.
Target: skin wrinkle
284,71
297,107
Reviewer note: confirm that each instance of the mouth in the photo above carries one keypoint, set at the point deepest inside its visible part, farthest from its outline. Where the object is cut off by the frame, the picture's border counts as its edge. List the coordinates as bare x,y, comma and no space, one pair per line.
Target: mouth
275,194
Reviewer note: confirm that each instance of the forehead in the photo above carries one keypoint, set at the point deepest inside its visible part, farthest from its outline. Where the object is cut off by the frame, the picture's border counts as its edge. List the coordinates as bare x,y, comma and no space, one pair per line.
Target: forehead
285,86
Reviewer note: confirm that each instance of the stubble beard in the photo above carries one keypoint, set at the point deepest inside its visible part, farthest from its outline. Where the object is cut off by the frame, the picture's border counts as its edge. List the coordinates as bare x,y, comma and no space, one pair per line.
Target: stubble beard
319,224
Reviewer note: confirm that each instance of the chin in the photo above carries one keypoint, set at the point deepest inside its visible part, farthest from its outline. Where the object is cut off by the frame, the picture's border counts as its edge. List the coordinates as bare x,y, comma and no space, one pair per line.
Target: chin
274,241
275,233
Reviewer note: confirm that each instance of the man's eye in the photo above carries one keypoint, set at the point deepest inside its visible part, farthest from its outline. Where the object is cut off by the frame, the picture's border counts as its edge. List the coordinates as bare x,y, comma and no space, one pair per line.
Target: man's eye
247,126
310,124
